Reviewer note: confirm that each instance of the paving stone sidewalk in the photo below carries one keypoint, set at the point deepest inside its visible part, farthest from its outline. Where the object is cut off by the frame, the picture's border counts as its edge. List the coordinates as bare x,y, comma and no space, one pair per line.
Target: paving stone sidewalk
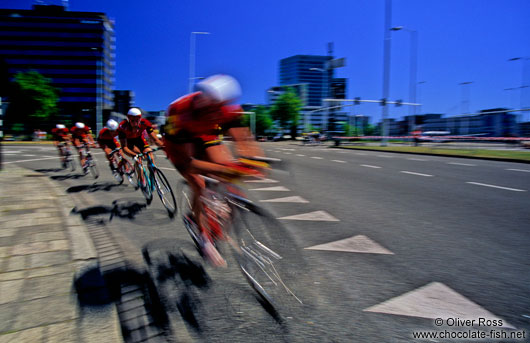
42,249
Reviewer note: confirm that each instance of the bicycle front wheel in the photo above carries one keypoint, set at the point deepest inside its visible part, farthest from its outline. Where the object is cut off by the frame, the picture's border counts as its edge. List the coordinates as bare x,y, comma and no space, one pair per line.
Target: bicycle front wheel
185,201
164,191
267,257
128,171
145,184
93,168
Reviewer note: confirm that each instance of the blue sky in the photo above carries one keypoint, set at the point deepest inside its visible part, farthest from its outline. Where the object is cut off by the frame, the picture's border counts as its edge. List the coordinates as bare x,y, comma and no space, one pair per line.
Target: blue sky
459,41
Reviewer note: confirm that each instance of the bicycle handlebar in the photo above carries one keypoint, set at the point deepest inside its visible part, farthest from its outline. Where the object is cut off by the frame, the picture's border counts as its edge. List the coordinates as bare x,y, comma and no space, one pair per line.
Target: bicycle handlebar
152,150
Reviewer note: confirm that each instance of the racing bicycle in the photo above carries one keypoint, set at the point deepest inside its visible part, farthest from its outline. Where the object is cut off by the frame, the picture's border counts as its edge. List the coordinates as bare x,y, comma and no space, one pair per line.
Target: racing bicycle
68,161
90,162
151,178
257,240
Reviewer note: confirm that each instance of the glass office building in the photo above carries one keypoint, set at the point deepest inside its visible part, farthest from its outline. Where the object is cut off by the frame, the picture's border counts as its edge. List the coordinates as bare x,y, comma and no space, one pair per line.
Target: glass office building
76,50
297,70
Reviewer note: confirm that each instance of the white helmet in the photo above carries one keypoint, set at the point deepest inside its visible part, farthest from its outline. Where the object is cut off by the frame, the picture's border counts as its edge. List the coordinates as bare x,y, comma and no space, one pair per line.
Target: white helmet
134,112
60,126
80,125
112,124
220,88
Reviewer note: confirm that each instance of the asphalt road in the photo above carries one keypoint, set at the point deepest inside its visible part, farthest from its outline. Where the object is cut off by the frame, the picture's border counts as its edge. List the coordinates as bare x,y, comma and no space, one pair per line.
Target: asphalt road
419,237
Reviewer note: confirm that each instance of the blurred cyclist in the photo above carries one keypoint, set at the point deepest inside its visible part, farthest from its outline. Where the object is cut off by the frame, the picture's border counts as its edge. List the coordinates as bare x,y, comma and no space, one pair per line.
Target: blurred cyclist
131,132
61,137
107,140
81,134
194,123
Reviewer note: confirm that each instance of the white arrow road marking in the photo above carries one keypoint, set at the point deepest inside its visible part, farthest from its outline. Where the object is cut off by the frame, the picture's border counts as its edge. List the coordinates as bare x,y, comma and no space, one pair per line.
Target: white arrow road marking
262,181
296,199
274,189
432,301
493,186
413,173
358,244
322,216
369,166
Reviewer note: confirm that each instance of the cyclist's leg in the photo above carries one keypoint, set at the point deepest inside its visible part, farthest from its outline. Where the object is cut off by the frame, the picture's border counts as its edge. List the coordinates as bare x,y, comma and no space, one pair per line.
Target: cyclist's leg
107,149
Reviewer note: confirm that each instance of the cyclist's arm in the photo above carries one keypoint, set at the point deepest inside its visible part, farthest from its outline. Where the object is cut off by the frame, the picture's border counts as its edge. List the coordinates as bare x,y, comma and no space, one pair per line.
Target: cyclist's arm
125,148
245,144
156,139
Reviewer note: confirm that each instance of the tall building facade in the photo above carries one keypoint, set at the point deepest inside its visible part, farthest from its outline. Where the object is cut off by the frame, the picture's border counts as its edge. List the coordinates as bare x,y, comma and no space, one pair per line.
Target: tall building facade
76,50
316,73
298,70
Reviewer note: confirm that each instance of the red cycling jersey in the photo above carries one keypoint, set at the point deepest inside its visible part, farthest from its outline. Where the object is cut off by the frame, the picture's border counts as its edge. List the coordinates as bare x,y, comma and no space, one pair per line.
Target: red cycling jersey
186,122
60,134
125,130
78,133
105,137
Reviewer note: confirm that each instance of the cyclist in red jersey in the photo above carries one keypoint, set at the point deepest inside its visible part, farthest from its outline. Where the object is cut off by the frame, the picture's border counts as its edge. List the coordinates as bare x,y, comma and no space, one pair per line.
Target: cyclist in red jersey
107,140
131,132
81,134
61,137
191,136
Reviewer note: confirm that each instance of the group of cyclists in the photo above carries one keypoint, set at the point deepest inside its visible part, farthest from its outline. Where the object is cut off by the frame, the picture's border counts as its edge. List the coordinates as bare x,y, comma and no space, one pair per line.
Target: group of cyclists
192,141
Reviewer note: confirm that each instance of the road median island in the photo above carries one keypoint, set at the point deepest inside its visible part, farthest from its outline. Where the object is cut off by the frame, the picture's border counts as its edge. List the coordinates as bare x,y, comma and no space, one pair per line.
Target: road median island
497,155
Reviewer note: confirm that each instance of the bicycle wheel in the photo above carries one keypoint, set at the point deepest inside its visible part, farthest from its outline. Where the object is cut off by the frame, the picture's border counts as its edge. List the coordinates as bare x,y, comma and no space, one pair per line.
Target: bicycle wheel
267,256
93,168
145,184
116,172
185,196
164,191
127,169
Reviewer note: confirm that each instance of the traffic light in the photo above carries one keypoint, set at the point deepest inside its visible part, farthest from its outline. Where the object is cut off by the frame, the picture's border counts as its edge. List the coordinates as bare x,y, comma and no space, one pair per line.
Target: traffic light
383,102
357,101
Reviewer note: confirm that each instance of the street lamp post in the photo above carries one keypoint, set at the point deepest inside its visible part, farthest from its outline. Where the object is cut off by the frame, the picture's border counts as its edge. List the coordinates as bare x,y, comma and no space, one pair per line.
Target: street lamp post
413,71
324,72
192,58
386,68
523,86
465,103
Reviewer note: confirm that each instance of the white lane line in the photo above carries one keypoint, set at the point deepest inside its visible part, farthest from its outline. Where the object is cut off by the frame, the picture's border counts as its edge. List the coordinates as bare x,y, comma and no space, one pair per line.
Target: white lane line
520,170
317,158
32,160
29,155
413,173
12,152
300,155
493,186
165,168
288,153
339,161
416,159
360,153
462,164
385,156
369,166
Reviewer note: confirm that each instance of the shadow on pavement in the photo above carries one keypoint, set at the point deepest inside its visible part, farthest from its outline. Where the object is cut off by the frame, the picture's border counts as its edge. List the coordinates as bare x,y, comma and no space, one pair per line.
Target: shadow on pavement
179,280
128,209
50,170
95,187
66,177
133,292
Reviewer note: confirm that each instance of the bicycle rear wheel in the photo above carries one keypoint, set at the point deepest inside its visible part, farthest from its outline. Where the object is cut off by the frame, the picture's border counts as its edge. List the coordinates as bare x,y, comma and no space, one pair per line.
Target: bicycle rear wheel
164,191
116,172
266,256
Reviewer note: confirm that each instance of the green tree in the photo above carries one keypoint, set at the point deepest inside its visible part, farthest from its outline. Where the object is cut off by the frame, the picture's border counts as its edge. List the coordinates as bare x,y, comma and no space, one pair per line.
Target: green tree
286,110
264,122
32,101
